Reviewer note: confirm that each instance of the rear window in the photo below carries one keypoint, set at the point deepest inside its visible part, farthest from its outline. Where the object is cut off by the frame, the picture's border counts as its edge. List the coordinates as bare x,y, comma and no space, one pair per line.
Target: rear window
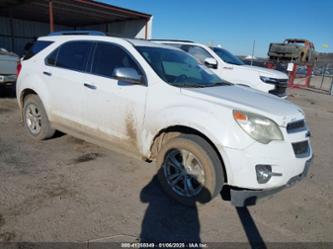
35,48
71,55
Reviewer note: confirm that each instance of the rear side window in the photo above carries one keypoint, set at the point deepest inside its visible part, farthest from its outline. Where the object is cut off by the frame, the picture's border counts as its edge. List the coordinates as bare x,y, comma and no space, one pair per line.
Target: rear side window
34,48
71,55
51,59
108,57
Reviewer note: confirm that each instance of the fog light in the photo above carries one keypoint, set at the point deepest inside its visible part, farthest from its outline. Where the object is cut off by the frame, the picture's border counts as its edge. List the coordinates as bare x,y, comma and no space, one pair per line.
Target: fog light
264,173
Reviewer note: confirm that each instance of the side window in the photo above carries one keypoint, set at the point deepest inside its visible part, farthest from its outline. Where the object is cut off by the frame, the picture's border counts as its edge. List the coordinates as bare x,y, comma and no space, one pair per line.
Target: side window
51,59
73,55
108,57
198,52
34,48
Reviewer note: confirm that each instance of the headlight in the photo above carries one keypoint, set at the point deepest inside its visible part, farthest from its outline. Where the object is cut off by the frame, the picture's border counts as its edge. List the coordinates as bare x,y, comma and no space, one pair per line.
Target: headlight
260,128
269,80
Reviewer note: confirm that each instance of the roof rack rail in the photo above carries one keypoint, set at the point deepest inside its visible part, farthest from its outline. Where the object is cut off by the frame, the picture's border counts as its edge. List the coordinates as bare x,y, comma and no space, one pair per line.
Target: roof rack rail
77,32
171,40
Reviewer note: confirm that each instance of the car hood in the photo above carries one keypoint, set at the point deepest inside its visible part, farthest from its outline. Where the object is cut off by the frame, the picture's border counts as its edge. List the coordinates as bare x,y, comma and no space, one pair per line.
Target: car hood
266,72
247,99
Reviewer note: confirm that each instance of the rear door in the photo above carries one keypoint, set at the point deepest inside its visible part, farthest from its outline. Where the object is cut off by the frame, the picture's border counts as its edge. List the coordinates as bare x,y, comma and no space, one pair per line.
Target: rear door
113,109
64,73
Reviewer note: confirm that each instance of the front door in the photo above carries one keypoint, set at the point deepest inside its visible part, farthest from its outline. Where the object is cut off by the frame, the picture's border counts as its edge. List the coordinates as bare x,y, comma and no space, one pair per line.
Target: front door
113,109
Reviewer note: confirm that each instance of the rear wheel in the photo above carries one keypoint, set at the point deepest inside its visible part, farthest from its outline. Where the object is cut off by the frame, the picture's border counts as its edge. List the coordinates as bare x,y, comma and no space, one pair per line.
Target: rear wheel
35,118
190,170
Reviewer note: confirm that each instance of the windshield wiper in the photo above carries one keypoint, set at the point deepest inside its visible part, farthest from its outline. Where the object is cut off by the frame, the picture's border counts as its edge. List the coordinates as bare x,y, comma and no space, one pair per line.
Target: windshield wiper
198,85
194,85
224,83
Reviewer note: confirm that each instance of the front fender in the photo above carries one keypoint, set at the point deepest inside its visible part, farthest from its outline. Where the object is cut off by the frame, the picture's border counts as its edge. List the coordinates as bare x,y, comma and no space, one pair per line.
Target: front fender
221,130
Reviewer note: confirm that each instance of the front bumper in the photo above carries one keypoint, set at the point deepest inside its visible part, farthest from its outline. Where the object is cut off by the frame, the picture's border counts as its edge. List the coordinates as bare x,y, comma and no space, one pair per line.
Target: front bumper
7,78
246,197
286,158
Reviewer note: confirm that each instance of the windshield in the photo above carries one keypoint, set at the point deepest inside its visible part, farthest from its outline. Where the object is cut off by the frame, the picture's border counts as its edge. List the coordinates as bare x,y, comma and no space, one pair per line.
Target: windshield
178,68
228,57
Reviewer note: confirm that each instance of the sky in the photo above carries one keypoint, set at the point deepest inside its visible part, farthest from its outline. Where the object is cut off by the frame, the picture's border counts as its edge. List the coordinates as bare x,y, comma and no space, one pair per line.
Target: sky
235,24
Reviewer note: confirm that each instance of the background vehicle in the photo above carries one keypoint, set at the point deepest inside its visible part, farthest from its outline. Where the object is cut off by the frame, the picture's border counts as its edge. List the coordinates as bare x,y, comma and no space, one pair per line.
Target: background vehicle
234,70
300,51
8,63
159,103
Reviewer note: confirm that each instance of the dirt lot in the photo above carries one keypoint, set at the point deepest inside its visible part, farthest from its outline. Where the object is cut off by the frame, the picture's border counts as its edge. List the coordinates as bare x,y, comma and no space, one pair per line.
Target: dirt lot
65,189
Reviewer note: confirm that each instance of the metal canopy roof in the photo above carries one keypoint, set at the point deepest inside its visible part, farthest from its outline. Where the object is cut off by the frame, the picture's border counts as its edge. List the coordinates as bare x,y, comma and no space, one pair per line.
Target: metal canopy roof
73,13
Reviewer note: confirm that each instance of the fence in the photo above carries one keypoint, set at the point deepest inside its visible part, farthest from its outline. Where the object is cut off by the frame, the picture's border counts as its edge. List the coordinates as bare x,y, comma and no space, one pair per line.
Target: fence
322,77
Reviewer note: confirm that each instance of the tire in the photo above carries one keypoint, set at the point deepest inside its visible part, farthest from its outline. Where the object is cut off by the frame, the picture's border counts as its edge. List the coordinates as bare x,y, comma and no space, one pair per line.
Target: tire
202,158
35,118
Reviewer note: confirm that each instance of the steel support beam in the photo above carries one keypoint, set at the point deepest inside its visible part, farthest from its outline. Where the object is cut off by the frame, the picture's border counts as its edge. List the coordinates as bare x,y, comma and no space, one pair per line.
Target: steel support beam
51,17
146,29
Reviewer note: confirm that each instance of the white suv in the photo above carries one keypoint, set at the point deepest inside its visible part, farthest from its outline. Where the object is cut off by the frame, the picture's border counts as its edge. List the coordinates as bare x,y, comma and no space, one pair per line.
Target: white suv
234,70
157,102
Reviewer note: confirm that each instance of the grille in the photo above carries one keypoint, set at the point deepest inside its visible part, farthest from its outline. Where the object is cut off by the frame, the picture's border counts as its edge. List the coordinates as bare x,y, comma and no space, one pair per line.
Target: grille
301,149
282,81
280,88
296,126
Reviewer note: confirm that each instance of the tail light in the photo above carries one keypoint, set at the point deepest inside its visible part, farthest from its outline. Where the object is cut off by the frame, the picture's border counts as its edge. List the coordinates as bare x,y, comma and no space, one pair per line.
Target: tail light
18,68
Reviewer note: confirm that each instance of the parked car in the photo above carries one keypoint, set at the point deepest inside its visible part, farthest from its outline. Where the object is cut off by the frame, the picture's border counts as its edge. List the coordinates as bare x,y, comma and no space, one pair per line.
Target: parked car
233,69
300,51
160,104
8,63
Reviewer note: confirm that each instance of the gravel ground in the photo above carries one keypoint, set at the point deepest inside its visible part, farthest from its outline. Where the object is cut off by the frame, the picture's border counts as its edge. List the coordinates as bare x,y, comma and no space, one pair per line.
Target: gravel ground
65,189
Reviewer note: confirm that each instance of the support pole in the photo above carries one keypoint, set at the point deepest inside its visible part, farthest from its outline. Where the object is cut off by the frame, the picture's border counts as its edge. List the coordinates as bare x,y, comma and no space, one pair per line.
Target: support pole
323,76
308,75
51,18
292,75
146,29
253,46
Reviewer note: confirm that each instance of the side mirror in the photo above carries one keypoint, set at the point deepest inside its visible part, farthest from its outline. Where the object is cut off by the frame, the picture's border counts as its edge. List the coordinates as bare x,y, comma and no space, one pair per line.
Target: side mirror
211,63
127,74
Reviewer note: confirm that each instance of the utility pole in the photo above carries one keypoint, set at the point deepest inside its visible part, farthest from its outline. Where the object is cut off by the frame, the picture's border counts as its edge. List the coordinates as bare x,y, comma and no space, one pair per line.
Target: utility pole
254,44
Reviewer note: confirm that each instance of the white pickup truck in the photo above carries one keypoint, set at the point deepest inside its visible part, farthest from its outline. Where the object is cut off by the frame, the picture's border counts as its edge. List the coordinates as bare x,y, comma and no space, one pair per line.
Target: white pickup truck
234,70
159,103
8,63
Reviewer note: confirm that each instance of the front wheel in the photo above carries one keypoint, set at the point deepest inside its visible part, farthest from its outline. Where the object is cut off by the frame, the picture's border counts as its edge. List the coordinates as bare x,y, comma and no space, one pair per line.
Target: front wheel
190,170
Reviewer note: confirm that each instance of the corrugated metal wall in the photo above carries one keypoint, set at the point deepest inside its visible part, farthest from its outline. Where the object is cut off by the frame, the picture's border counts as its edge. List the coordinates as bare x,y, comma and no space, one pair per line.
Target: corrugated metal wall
23,32
129,29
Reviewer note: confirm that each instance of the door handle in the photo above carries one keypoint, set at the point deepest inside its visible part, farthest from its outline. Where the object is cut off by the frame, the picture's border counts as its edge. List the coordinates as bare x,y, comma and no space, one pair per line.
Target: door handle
230,68
90,86
47,73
